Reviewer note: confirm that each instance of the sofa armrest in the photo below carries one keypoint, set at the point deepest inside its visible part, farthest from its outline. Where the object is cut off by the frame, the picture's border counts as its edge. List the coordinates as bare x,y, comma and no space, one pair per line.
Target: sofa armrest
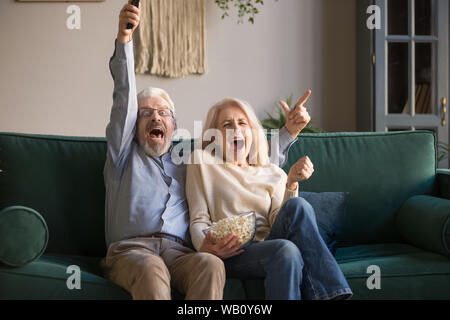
424,221
443,178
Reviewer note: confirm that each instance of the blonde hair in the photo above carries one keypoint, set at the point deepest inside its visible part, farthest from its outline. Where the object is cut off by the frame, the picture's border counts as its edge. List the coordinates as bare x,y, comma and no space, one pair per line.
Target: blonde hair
259,150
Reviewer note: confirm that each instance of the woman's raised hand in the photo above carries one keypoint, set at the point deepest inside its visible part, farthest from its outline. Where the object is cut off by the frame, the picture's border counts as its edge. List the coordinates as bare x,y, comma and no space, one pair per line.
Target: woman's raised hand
300,171
227,248
298,117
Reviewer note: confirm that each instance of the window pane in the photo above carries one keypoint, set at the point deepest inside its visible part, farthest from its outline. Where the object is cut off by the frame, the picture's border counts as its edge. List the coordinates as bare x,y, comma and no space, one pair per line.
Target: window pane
424,12
398,78
424,78
398,17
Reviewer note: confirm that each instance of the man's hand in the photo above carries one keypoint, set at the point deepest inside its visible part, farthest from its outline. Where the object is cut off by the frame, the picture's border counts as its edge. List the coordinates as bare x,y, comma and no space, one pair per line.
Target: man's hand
298,117
300,171
227,248
128,14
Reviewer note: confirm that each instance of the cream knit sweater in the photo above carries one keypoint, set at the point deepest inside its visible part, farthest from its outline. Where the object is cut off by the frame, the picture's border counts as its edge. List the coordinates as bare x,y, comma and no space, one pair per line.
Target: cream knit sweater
217,191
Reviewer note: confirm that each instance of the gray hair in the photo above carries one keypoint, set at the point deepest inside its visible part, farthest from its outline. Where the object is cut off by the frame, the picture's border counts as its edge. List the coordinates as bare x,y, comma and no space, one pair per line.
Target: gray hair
156,92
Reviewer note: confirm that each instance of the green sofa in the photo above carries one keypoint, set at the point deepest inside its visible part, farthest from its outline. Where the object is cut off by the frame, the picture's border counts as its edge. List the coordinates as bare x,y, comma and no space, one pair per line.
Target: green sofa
397,218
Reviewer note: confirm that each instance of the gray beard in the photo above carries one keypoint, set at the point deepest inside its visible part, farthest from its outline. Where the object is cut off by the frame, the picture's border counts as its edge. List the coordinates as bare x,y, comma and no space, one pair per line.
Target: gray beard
156,151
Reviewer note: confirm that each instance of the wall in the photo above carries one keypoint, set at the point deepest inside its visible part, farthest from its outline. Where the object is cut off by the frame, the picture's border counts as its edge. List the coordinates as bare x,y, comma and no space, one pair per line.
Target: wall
56,81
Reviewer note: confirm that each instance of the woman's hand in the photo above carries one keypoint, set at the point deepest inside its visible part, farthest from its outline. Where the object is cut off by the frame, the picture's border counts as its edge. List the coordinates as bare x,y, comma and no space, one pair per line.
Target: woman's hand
300,171
298,117
128,14
227,248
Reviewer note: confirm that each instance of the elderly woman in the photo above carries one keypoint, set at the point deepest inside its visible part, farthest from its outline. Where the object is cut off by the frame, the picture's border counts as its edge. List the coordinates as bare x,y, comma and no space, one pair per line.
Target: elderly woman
232,175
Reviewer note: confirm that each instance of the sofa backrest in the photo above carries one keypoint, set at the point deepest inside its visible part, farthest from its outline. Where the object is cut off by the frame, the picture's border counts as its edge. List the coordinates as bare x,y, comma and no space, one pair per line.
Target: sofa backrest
379,170
62,178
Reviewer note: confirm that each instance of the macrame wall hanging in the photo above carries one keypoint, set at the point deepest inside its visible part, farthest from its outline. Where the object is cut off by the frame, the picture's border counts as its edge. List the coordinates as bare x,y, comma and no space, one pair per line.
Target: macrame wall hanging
170,39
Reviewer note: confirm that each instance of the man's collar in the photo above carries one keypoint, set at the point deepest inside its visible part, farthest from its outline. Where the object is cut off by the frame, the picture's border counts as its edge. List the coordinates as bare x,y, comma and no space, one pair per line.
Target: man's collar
168,153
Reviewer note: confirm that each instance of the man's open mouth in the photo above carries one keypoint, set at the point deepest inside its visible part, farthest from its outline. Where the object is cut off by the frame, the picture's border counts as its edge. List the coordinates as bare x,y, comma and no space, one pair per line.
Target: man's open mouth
156,133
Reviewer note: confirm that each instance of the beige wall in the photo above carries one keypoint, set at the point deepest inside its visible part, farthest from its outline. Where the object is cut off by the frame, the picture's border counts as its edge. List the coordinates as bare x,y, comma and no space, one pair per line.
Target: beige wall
56,81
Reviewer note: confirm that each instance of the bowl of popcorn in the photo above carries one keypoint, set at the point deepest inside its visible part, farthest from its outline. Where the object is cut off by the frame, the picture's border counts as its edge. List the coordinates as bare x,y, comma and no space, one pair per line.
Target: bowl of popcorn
243,225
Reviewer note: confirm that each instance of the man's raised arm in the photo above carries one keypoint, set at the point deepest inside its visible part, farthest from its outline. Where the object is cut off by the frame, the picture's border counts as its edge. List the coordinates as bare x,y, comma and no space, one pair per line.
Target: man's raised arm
121,128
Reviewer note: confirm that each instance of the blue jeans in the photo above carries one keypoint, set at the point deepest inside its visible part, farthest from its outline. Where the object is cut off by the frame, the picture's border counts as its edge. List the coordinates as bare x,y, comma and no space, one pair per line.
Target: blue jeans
294,259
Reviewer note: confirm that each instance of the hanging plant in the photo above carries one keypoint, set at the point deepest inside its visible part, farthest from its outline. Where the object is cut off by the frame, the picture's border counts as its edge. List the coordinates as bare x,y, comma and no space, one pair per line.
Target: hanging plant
244,7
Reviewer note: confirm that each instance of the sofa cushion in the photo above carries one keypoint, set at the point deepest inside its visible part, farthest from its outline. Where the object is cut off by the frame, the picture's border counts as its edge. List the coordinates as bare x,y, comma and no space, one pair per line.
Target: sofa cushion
330,208
380,171
23,235
407,272
62,179
424,222
46,278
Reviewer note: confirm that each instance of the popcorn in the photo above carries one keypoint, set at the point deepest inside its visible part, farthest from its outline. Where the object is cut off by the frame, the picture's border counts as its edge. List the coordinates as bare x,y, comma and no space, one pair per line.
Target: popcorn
242,226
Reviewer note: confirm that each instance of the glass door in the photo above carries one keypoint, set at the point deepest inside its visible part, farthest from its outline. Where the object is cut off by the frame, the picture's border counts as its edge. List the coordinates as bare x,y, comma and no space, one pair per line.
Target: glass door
411,67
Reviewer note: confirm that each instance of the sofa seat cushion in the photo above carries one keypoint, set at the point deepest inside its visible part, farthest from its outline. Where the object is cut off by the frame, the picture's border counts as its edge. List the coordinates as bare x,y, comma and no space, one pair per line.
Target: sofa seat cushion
46,278
406,272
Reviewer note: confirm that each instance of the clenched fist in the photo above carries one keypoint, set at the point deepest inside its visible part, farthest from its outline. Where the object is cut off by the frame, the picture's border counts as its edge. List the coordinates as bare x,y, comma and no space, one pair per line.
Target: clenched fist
300,171
128,14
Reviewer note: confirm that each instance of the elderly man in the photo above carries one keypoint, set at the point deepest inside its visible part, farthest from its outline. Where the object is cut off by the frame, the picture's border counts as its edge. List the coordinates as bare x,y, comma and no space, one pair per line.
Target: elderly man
147,218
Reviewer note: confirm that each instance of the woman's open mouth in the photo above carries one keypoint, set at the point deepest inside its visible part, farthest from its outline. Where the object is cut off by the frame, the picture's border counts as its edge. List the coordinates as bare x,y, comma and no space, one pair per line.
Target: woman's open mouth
238,144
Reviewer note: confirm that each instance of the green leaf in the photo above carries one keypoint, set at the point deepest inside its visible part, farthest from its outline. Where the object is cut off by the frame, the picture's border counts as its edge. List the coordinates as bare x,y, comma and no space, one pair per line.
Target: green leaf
289,100
282,116
271,124
244,8
270,116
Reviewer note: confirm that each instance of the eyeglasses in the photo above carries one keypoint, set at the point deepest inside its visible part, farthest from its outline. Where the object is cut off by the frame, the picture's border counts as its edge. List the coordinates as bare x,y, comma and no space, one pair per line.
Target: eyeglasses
148,112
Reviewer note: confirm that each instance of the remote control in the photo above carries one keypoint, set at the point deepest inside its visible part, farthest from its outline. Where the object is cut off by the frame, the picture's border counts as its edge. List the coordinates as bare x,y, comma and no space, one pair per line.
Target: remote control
136,4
